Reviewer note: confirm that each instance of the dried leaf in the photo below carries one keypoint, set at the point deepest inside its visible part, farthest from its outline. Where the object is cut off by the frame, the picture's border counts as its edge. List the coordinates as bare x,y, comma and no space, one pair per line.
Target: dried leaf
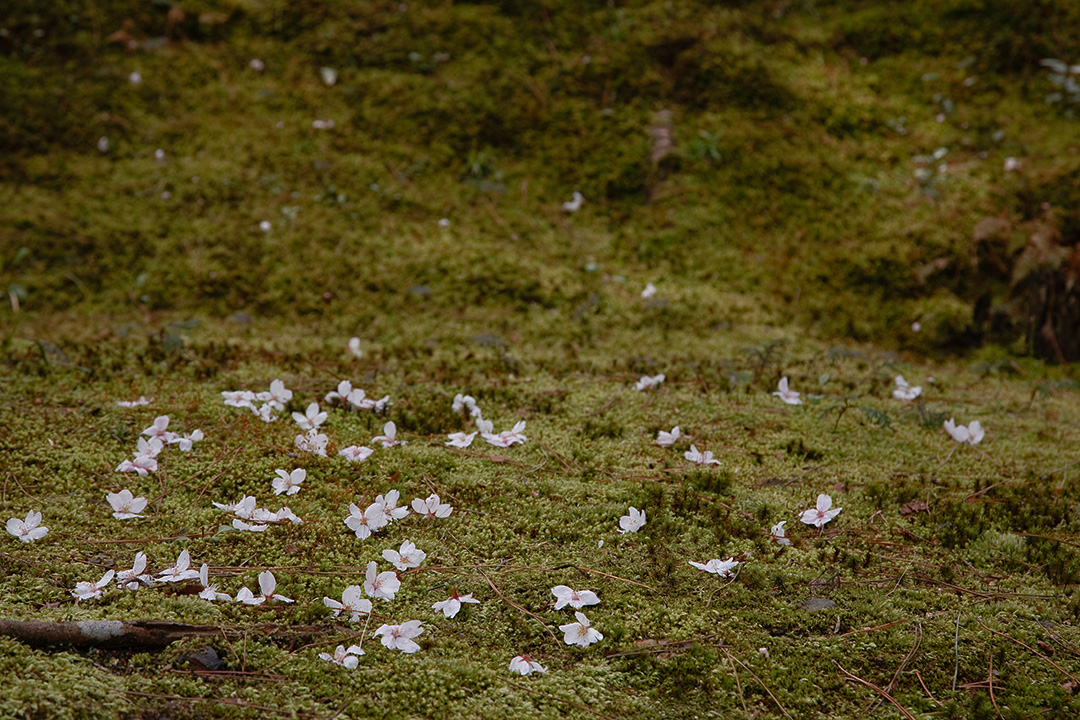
913,507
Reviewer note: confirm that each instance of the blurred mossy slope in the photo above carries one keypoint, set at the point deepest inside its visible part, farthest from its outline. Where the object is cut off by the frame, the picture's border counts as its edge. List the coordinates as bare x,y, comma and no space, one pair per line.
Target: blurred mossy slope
796,129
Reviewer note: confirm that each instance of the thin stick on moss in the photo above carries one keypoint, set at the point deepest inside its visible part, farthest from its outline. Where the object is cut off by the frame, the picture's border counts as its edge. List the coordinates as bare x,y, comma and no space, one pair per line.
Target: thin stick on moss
956,653
338,640
760,681
217,477
579,706
876,627
947,458
738,686
980,492
1046,537
891,687
990,683
601,572
663,646
234,702
976,593
231,648
151,540
1023,645
24,561
926,689
559,457
876,689
16,479
136,634
506,461
534,616
229,674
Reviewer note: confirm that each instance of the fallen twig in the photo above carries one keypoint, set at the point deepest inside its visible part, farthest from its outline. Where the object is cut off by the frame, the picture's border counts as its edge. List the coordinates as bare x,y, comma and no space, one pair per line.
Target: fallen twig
876,689
891,687
760,681
664,647
928,693
534,616
601,572
1010,637
738,685
579,706
234,702
876,627
136,634
990,684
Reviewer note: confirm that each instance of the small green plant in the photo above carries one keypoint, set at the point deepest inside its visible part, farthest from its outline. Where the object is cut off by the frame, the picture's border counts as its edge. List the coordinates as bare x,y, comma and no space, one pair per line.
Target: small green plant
706,146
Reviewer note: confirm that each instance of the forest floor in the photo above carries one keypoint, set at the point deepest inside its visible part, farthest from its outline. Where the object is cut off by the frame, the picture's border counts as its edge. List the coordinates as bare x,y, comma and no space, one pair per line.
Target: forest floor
205,200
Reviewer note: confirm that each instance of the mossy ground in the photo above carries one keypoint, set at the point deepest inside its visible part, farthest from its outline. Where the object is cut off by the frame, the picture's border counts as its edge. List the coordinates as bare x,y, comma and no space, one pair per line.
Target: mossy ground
785,232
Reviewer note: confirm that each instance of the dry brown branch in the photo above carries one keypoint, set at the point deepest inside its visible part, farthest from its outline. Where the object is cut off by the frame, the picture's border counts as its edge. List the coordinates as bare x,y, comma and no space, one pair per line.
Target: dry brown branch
935,581
891,687
1010,637
601,572
234,702
579,706
534,616
738,685
876,689
760,681
137,634
663,646
928,693
990,684
194,536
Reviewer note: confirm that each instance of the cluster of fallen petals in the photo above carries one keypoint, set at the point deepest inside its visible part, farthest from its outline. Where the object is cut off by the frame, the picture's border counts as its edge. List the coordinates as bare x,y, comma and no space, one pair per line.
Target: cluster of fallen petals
355,397
580,633
524,665
288,483
701,458
148,448
971,434
904,391
385,510
180,571
633,521
821,513
141,400
648,382
466,404
667,439
267,592
270,402
717,566
356,600
348,658
249,518
400,637
452,605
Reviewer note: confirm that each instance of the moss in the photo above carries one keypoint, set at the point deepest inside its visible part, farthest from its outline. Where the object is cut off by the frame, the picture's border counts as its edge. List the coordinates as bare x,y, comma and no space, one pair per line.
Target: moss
807,215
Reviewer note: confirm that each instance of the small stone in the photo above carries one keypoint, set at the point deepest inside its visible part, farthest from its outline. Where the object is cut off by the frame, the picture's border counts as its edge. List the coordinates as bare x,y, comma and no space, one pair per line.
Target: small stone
204,659
815,604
